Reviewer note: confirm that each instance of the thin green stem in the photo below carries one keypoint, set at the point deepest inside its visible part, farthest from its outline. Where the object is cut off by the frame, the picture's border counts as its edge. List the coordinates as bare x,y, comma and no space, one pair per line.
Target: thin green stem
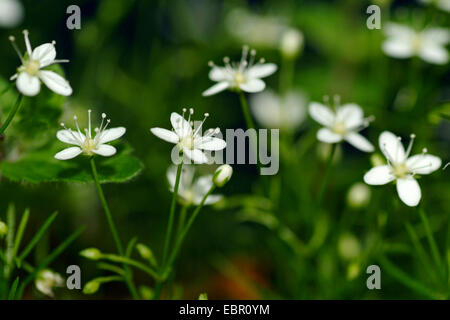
246,111
12,114
327,175
113,229
432,243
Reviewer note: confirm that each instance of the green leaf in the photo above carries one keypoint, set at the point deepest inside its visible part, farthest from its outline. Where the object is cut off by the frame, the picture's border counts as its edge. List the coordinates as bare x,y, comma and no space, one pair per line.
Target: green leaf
20,231
12,291
41,166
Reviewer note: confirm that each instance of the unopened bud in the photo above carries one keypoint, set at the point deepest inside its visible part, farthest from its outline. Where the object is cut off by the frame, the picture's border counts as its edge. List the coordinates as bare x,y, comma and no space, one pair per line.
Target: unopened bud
291,43
358,195
91,253
144,251
222,175
3,229
91,287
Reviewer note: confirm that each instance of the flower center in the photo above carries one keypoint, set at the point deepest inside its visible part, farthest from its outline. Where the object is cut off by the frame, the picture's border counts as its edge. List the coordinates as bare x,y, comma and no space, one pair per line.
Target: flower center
187,142
416,42
340,128
400,170
89,145
32,67
239,78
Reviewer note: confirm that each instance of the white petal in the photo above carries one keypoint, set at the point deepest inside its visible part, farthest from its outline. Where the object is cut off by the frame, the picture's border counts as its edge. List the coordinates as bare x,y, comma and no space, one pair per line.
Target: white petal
68,153
55,82
359,142
181,126
322,114
265,106
433,53
398,31
213,198
196,155
45,54
28,85
439,36
391,147
218,87
209,143
219,74
253,85
187,175
379,175
202,185
105,150
328,136
165,134
11,13
398,48
409,191
112,134
69,137
423,164
261,70
351,114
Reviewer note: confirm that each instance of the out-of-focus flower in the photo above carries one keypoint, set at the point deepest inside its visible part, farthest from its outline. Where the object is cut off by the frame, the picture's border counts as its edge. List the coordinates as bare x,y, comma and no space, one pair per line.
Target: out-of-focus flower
291,43
358,195
348,246
190,141
47,280
402,168
344,124
272,111
244,75
11,13
190,190
3,229
91,253
428,44
222,175
30,74
87,144
441,4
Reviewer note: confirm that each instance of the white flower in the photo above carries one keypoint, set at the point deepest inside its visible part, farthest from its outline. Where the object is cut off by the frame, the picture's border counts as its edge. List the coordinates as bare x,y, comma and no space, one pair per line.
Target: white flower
244,75
291,42
190,141
273,111
190,190
222,175
47,280
11,13
441,4
428,44
30,74
344,124
87,144
402,168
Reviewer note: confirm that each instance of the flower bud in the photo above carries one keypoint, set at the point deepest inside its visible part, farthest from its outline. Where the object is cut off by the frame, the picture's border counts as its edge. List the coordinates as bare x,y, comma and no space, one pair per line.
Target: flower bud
222,175
144,251
91,253
91,287
358,196
203,296
353,270
291,43
3,229
348,246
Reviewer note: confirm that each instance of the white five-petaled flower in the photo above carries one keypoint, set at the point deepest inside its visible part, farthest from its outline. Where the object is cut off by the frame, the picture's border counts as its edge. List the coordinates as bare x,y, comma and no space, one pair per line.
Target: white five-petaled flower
244,75
402,168
190,190
86,143
47,280
30,74
344,124
189,140
428,44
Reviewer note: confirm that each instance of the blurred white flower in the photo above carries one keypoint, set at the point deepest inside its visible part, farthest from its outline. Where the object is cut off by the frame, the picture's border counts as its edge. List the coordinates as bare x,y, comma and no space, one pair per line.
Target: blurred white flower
30,74
344,124
87,144
11,13
46,280
244,75
428,44
190,141
358,195
273,111
190,190
402,168
291,43
441,4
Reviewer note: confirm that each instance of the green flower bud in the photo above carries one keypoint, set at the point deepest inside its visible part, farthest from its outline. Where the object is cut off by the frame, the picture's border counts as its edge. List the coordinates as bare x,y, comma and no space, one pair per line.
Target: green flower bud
91,253
3,229
144,251
222,175
91,287
358,195
203,296
348,246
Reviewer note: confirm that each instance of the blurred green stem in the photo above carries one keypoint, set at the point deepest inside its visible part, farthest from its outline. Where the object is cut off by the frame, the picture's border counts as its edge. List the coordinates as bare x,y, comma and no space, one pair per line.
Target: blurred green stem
286,74
431,242
11,114
246,111
182,219
113,229
327,174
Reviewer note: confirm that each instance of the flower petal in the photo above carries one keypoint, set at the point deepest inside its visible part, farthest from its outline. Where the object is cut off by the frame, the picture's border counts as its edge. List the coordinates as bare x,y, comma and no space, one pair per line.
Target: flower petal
398,48
213,198
45,54
261,70
253,85
328,136
379,175
112,134
68,153
433,53
322,114
187,175
439,36
165,134
219,74
351,114
209,143
391,147
181,126
218,87
55,82
359,142
408,190
70,137
196,155
28,85
105,150
423,163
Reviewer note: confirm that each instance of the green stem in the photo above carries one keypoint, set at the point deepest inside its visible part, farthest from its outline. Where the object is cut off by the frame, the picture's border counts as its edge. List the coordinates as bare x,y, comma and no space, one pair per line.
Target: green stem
113,229
246,111
327,175
11,114
131,262
432,243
